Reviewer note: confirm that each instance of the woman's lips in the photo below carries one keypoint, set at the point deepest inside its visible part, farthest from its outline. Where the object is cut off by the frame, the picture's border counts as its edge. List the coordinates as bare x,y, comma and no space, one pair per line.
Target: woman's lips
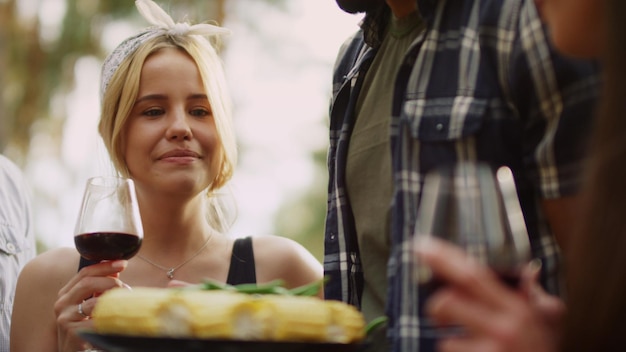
180,154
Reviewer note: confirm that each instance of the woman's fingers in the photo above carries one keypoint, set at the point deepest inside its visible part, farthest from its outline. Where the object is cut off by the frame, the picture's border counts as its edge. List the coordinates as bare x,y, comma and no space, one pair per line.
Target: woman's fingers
76,296
452,265
68,330
112,268
529,278
85,308
86,290
551,308
517,328
493,316
450,306
461,344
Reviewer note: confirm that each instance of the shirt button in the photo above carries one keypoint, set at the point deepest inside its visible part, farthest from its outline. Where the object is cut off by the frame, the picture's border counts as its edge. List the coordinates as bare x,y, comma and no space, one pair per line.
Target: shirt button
439,127
11,247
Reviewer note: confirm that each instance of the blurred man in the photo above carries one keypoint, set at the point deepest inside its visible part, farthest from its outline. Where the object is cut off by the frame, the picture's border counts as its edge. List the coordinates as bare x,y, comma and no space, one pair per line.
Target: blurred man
426,83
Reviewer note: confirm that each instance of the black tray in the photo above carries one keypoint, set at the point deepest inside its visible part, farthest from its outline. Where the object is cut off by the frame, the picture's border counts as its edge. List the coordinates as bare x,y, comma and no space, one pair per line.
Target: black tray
123,343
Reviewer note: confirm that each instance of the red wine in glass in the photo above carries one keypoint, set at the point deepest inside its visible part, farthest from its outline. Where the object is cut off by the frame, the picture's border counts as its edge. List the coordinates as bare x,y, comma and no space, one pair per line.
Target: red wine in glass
430,286
510,278
477,209
98,246
109,225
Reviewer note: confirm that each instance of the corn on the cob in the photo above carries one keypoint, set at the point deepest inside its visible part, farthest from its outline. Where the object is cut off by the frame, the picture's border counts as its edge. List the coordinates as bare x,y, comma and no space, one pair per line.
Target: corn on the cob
347,324
297,318
117,311
226,315
221,314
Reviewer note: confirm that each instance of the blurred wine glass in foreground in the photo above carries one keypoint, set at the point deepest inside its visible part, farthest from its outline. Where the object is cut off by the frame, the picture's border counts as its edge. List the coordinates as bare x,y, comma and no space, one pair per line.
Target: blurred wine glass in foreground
477,209
109,225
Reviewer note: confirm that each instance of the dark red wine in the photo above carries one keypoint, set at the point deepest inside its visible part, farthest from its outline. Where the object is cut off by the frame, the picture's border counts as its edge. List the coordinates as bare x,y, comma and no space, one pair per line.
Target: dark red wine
431,286
510,278
98,246
435,330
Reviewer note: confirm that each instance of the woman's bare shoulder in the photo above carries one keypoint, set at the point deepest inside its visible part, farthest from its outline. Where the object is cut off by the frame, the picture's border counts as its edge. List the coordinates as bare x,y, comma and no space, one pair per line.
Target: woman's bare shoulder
278,246
281,257
53,266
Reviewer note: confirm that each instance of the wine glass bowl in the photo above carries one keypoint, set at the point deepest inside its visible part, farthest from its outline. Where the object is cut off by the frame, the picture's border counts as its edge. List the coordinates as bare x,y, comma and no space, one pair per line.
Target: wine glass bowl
109,224
477,209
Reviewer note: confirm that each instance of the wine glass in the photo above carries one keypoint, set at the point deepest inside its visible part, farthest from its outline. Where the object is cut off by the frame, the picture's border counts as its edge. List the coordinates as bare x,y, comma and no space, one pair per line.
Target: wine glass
477,209
109,225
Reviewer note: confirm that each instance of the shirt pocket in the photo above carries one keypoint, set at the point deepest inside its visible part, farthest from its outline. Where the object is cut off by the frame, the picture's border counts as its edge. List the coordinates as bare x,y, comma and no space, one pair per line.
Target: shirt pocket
445,119
10,242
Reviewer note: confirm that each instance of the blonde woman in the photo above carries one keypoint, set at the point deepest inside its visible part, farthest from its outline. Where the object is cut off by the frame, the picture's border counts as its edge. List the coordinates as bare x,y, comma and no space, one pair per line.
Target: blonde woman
166,123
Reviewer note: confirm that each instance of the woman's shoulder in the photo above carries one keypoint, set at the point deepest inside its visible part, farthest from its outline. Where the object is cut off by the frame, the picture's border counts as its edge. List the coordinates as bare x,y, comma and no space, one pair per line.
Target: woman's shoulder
54,265
272,245
52,256
284,258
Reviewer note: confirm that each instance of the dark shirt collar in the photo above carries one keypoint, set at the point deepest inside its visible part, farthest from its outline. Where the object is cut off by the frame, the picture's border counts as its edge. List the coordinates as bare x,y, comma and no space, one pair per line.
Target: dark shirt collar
374,24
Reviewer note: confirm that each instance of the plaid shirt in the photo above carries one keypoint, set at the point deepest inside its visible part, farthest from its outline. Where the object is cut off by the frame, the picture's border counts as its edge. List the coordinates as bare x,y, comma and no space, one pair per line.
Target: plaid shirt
481,83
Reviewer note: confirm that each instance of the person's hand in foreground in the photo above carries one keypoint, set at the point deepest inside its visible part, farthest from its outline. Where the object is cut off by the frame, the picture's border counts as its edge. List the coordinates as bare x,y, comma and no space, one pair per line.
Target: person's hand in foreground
495,317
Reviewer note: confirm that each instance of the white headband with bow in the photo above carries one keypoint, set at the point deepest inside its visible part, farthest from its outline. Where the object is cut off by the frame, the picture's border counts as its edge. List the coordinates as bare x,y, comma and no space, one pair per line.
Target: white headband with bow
162,24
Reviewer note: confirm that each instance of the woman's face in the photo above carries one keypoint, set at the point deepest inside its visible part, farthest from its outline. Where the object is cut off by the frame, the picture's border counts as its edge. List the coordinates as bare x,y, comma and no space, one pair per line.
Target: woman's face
576,26
171,142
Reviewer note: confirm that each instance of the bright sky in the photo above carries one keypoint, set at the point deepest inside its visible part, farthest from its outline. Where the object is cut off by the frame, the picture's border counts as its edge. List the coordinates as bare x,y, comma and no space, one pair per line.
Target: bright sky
279,64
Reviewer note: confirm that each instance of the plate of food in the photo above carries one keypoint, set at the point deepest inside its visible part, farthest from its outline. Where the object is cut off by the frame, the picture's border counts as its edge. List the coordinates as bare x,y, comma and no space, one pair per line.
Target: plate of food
224,319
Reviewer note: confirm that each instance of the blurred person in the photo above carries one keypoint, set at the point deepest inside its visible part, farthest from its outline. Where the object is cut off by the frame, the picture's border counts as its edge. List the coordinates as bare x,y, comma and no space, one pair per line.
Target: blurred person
591,317
427,83
17,239
166,123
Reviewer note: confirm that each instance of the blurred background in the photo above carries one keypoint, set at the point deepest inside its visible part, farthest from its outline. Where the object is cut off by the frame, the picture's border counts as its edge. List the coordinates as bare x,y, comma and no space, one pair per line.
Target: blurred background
279,64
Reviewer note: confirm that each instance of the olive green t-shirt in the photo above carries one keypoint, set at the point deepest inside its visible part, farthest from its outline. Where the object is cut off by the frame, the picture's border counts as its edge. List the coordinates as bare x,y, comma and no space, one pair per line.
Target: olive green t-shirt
368,169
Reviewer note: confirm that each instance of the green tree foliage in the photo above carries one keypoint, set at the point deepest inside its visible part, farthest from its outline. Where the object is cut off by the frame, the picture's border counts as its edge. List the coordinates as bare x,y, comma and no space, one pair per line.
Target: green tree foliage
302,217
37,61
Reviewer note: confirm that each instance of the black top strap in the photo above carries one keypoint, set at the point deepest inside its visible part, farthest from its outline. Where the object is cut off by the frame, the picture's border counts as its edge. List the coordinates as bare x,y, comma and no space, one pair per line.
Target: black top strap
242,268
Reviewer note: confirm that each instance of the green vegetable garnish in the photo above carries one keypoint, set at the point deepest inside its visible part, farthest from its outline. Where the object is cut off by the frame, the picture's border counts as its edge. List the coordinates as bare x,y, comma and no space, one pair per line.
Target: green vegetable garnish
374,324
275,287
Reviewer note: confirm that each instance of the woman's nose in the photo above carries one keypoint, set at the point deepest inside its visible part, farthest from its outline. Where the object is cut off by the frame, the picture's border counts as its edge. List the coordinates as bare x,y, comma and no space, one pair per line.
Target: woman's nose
179,128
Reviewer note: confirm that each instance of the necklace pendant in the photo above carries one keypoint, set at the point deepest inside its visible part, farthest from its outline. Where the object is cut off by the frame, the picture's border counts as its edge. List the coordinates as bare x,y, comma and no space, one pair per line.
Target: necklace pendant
170,273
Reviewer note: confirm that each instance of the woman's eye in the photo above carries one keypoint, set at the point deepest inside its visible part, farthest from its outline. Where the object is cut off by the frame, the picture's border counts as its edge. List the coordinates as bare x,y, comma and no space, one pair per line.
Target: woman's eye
200,112
153,112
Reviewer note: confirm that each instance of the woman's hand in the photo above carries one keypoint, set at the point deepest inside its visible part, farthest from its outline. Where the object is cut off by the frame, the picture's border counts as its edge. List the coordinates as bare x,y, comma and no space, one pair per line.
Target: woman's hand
495,317
77,299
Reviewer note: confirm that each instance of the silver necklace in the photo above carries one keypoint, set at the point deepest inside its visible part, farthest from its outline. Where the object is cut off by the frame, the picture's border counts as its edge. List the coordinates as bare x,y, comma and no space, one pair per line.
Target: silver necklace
170,271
